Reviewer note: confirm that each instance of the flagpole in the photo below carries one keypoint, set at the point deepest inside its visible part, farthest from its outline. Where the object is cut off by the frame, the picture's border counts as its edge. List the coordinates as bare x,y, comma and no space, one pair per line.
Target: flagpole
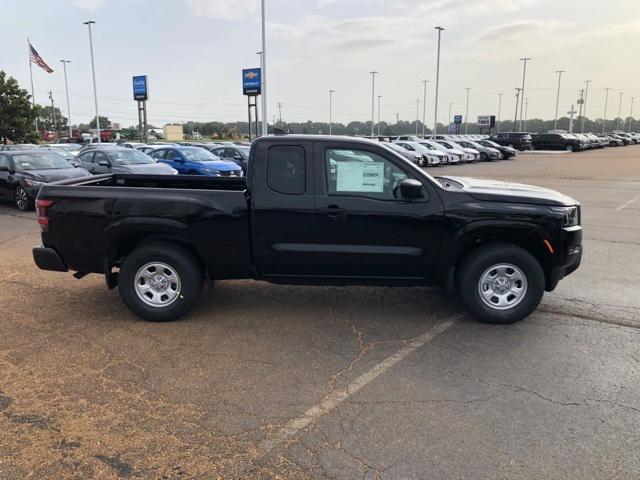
33,96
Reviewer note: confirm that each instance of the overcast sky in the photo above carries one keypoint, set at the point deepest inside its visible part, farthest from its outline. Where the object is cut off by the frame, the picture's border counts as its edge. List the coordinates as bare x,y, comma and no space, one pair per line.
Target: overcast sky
193,52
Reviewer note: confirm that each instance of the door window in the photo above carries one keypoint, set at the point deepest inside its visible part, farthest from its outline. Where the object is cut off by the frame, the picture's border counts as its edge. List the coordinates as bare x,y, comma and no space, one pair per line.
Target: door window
99,157
363,174
158,154
87,157
173,155
286,170
4,161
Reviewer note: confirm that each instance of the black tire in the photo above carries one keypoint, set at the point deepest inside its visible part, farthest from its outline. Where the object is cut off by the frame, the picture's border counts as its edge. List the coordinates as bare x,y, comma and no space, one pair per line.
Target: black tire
569,148
481,260
187,289
484,157
22,199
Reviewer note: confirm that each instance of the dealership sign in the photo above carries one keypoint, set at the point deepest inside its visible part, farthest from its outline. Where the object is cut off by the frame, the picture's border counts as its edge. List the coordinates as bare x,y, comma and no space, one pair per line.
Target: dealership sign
140,88
251,81
486,121
457,119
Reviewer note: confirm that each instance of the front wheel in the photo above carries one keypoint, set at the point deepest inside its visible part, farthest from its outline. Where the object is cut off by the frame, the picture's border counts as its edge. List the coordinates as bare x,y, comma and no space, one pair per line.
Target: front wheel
484,157
569,148
22,199
501,283
160,282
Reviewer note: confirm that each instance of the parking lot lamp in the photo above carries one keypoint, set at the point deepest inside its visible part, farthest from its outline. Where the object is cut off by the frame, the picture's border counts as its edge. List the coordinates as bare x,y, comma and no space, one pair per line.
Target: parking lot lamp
515,119
466,113
606,99
66,86
584,110
379,98
435,105
526,112
424,108
373,97
88,23
499,108
619,112
450,107
263,74
331,92
631,113
555,122
524,75
417,115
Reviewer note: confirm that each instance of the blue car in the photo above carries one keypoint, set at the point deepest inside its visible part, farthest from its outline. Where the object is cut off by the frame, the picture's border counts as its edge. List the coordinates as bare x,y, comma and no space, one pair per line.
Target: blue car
196,161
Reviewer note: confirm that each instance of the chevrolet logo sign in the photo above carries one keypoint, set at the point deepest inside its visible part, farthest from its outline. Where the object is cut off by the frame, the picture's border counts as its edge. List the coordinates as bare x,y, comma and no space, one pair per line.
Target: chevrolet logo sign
250,75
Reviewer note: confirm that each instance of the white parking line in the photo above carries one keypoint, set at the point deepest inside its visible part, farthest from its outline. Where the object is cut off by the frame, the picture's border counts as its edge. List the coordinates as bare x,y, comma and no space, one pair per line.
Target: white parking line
626,204
334,399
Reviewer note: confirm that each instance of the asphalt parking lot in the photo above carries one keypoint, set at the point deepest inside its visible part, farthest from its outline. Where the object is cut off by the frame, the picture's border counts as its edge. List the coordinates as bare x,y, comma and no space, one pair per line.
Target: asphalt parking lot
268,381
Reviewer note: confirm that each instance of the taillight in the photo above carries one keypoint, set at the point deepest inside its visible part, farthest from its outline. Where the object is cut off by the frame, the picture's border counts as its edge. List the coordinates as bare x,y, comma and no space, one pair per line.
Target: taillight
41,208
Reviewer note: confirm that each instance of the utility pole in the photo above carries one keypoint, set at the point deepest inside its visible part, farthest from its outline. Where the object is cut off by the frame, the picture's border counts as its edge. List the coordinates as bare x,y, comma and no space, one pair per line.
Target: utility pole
424,108
584,111
631,113
417,115
604,117
571,113
280,114
53,115
66,86
580,102
515,120
88,23
373,96
555,122
466,114
435,107
331,92
499,108
619,111
378,129
524,75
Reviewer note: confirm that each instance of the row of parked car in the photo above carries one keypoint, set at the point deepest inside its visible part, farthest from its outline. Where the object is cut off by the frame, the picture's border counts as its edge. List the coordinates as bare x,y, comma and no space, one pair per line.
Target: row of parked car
562,140
25,168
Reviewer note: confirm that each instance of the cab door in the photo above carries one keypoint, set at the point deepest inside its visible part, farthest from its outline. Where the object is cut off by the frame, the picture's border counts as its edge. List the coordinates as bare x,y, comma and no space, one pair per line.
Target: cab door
5,166
365,228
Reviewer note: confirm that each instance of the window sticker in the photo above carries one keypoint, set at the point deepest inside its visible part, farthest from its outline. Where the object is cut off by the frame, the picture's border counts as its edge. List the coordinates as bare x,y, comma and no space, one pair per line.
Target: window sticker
360,177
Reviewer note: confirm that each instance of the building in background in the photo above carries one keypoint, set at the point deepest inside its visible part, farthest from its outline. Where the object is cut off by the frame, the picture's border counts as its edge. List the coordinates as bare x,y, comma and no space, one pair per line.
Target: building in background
172,132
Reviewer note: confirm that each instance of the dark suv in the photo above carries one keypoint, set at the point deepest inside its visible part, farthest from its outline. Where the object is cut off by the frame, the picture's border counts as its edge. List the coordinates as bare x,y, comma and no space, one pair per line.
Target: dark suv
517,140
557,141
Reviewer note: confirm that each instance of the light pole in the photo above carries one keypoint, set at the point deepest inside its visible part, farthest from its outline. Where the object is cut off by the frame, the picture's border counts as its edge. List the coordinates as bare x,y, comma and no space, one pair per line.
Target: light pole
378,127
619,111
331,92
53,115
424,108
88,23
280,114
66,86
524,74
584,110
263,74
417,115
515,120
435,107
450,107
466,113
373,96
604,117
581,103
631,113
555,122
526,111
499,108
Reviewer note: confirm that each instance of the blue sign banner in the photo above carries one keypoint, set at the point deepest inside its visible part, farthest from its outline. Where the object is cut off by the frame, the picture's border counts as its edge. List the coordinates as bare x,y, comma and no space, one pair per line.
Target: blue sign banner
140,88
251,81
457,119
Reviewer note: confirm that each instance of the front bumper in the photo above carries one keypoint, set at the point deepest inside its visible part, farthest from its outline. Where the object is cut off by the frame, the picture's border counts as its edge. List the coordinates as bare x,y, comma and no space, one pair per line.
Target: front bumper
48,259
572,256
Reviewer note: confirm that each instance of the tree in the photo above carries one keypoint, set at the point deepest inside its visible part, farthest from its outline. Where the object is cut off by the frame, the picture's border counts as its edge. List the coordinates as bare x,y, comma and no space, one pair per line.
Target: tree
104,122
45,119
17,115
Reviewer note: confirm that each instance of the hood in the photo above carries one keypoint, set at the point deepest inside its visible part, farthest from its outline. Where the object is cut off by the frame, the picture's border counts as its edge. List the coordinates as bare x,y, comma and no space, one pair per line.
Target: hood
472,151
53,175
221,165
146,168
499,191
455,151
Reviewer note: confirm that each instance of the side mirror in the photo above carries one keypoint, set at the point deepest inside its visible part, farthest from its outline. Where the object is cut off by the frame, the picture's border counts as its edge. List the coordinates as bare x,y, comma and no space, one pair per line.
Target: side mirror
104,163
410,188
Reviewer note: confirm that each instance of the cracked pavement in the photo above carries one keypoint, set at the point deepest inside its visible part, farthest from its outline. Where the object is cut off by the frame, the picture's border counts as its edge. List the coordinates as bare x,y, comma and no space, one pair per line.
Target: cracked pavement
87,390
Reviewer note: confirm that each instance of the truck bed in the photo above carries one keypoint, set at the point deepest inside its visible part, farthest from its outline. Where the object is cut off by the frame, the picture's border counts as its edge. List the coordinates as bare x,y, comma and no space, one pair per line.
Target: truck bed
198,182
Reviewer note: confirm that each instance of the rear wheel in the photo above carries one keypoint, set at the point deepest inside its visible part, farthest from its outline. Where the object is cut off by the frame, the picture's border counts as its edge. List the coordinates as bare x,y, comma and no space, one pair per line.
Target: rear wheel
501,283
569,148
22,199
160,282
483,157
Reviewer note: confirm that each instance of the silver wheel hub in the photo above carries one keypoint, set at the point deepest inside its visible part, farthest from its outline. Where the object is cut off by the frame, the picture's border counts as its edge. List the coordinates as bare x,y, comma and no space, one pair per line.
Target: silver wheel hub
157,284
502,286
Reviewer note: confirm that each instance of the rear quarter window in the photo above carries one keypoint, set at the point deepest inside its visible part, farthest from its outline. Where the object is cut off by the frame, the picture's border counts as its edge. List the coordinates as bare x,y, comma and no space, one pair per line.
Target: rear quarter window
286,169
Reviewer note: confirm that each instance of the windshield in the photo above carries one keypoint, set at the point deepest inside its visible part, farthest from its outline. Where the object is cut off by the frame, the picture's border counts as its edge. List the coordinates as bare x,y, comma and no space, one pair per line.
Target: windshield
244,152
67,147
428,146
40,161
198,154
130,157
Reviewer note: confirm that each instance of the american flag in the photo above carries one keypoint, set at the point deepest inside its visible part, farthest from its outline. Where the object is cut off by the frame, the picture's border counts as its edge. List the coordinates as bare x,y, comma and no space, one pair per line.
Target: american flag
37,59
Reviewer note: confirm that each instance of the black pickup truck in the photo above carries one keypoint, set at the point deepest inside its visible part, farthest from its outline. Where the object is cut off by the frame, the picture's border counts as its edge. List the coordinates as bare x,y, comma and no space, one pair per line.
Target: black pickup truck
321,210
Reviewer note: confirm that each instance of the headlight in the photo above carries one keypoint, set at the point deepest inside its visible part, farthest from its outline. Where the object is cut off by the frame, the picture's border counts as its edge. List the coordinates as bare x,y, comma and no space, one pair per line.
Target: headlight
33,183
211,171
571,215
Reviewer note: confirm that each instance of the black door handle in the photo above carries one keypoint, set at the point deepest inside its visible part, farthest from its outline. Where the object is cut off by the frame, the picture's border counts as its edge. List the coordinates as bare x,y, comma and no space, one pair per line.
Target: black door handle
333,211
